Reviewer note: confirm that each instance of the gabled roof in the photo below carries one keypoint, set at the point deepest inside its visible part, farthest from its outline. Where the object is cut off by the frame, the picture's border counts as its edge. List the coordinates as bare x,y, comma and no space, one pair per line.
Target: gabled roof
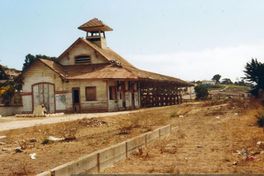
106,53
98,71
94,25
107,71
54,66
125,70
109,54
151,76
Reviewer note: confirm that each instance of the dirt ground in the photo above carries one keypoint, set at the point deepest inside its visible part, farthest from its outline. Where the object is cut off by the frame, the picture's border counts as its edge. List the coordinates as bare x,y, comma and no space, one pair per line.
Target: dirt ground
212,137
83,136
12,122
207,138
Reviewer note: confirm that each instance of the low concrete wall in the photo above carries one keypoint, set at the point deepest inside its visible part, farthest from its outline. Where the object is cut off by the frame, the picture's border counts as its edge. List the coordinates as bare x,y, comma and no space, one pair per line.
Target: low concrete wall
88,163
164,131
10,110
102,159
152,136
111,155
135,143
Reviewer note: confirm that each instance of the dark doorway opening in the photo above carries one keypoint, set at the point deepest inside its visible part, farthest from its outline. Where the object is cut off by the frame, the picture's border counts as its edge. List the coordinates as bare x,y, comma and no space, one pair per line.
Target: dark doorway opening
76,100
133,100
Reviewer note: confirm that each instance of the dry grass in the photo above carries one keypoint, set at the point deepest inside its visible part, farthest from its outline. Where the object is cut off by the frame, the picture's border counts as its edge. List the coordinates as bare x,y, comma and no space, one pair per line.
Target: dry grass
22,169
146,121
201,143
85,136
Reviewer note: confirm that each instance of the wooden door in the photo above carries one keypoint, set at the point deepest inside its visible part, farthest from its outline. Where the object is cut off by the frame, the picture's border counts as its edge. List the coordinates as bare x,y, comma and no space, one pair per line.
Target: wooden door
44,94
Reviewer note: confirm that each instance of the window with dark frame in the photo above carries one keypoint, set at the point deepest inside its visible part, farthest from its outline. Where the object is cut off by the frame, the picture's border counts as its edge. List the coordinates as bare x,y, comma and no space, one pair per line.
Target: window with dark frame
83,59
90,93
130,85
112,92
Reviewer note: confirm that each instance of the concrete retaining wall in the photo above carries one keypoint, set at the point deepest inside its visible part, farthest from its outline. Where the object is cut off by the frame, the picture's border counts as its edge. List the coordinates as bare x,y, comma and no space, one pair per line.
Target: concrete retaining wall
135,143
102,159
111,155
164,131
152,136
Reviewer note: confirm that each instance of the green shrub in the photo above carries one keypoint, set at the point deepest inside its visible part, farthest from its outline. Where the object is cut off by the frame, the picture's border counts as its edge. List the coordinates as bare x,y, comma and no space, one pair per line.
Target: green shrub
260,120
201,92
216,86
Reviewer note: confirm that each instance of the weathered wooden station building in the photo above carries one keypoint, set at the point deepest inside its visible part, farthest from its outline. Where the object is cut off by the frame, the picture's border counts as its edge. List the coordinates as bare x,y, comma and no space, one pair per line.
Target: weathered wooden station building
90,77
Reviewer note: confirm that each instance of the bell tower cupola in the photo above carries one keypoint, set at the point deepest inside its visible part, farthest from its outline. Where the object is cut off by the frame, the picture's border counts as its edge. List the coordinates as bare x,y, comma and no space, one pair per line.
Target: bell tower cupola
95,32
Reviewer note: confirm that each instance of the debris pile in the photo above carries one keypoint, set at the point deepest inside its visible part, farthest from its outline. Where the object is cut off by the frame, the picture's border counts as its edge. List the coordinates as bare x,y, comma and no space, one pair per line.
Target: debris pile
246,155
169,148
33,156
125,130
92,122
260,144
22,145
251,155
53,139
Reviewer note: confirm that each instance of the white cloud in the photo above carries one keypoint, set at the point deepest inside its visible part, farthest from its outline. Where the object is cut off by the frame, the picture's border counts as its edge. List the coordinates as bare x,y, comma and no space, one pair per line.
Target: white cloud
228,62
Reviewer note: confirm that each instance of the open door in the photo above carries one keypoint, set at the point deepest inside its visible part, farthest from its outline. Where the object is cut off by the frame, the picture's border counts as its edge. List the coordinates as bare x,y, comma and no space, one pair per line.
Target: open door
76,107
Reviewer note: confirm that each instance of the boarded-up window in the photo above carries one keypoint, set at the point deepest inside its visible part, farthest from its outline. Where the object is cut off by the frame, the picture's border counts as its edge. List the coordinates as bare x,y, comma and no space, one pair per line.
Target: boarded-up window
112,93
90,93
82,59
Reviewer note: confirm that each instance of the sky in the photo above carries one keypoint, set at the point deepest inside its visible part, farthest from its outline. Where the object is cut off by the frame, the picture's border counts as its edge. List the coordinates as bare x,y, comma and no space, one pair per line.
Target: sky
189,39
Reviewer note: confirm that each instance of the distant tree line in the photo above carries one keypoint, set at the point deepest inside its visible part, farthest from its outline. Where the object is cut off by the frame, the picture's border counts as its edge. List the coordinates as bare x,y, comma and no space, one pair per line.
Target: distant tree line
254,73
254,78
29,59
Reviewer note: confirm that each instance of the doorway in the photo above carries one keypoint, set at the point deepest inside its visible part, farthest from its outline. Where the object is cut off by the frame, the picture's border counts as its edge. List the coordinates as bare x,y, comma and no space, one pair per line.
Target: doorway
44,94
76,107
133,99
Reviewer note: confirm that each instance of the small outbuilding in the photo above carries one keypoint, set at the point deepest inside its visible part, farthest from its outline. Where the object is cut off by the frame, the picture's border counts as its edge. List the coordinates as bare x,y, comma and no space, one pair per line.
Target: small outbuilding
90,77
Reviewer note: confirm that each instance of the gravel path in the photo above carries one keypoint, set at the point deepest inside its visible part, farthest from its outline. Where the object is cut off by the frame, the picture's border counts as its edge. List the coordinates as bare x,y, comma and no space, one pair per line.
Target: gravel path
11,123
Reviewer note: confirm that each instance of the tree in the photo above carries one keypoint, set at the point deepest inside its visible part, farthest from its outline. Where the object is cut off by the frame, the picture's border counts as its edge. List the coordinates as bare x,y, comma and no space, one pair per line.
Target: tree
29,59
227,81
3,75
254,73
201,92
216,78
